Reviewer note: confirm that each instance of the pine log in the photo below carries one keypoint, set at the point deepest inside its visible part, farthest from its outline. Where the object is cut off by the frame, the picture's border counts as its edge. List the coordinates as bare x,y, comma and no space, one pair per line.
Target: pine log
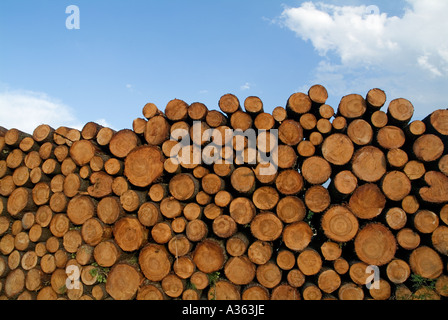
260,252
298,103
339,224
352,106
428,148
375,244
367,201
316,170
436,122
229,103
239,270
400,111
266,226
297,236
237,244
129,234
269,275
369,164
291,209
390,137
290,132
426,262
289,182
309,262
123,282
376,98
437,192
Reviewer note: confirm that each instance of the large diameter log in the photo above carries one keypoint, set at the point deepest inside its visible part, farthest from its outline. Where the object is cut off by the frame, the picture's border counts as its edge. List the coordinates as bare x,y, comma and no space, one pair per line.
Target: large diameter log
144,165
375,244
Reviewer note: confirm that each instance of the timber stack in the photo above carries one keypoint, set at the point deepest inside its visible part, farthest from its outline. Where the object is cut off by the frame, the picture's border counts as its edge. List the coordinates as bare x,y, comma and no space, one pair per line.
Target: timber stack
305,202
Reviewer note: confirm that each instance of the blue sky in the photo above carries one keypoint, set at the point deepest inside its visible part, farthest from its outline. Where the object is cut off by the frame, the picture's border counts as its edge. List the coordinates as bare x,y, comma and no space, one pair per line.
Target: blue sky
128,53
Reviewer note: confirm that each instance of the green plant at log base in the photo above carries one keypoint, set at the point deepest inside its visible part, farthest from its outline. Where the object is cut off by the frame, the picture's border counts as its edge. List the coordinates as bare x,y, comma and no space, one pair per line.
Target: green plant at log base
99,272
419,282
212,279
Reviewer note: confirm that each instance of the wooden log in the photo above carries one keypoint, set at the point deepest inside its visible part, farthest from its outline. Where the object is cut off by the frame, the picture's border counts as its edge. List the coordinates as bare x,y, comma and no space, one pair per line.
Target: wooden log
123,142
352,106
279,114
436,122
428,148
260,252
269,275
285,259
437,190
290,132
316,170
264,121
328,280
298,103
400,111
242,210
143,166
426,262
375,244
367,201
123,282
318,94
408,239
396,218
398,271
291,209
397,158
266,227
265,198
425,221
240,270
376,98
339,224
20,200
350,291
255,292
309,262
196,230
229,103
360,132
297,235
237,244
209,255
438,239
243,180
390,137
369,164
129,234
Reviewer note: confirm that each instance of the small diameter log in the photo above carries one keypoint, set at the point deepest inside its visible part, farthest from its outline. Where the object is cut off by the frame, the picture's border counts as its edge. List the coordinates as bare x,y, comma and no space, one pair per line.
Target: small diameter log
425,221
260,252
309,262
279,114
90,130
290,132
318,94
328,280
82,151
242,210
269,275
343,184
317,199
414,170
396,218
375,244
439,239
80,209
437,122
376,98
265,198
397,158
237,244
243,180
360,132
398,271
289,182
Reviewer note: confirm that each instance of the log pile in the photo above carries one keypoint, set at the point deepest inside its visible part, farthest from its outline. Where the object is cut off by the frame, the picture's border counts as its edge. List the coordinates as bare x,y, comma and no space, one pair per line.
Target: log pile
320,203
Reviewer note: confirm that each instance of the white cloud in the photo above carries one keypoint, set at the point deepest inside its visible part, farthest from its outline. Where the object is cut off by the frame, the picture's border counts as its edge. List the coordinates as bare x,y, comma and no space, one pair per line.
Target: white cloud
245,86
360,36
25,110
406,55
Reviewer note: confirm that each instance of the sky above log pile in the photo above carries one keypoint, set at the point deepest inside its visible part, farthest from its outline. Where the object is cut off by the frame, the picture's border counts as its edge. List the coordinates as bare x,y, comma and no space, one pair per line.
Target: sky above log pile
128,53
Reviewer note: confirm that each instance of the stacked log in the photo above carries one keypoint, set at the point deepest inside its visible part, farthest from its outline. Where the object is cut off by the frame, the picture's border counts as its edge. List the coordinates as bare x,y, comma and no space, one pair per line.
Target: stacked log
307,202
